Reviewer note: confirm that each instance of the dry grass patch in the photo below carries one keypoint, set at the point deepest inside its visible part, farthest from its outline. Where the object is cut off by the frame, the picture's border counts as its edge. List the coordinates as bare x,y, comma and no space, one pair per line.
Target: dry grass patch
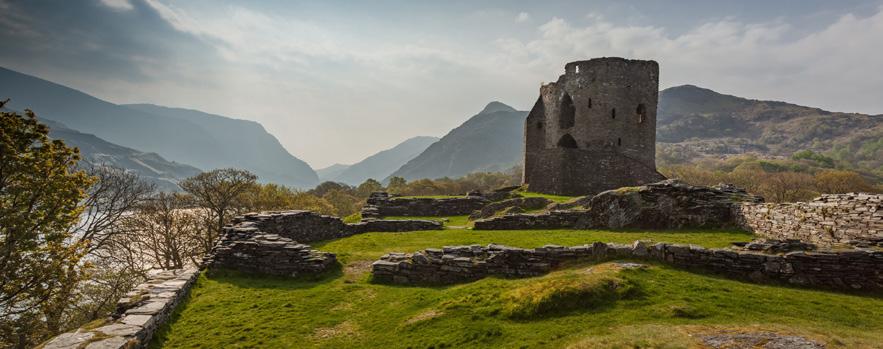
345,328
426,315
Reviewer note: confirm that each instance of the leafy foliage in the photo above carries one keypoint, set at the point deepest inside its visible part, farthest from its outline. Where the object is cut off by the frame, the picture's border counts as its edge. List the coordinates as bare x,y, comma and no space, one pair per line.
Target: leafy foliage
40,194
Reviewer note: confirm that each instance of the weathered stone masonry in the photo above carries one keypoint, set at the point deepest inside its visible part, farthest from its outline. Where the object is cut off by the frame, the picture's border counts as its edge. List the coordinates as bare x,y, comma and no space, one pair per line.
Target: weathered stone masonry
274,243
137,317
850,270
383,205
594,129
829,219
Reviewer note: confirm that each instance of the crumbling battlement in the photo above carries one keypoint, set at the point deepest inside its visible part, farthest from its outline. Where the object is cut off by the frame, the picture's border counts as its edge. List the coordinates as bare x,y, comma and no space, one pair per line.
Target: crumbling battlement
594,129
843,270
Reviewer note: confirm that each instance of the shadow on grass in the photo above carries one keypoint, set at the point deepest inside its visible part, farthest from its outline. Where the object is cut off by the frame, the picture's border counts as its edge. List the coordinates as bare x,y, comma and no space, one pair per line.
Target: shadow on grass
254,280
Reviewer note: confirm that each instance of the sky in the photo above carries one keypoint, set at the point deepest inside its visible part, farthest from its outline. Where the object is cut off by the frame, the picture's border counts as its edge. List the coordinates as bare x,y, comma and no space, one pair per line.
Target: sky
336,81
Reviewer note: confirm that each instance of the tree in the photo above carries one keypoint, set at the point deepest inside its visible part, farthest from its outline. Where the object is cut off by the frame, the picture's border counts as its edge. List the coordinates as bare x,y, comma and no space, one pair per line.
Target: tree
166,231
369,186
114,195
396,185
838,182
219,191
40,195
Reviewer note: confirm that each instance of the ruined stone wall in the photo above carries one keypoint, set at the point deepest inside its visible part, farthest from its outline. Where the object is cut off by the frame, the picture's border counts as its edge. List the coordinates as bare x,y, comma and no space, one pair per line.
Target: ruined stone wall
847,270
383,205
829,219
594,129
523,221
138,315
247,249
306,226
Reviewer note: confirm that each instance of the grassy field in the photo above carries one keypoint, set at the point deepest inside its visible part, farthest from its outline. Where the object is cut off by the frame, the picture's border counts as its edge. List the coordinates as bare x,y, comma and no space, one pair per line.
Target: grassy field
555,198
657,306
452,221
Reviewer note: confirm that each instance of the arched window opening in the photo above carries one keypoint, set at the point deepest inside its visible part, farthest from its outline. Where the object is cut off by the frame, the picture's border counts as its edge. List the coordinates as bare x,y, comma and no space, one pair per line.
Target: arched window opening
613,113
567,141
567,116
642,113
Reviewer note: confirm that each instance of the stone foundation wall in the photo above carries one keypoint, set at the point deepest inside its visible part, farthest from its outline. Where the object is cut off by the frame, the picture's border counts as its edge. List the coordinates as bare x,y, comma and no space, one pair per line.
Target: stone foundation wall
829,219
137,317
550,220
383,205
306,226
249,250
847,270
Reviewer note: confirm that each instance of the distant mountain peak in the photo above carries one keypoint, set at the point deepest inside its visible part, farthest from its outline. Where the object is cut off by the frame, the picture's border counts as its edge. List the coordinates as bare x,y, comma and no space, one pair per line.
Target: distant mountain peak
496,106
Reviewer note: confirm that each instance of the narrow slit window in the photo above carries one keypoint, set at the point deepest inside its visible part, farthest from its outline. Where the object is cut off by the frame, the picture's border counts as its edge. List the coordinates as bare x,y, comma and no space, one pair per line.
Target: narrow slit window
642,113
590,103
567,116
613,113
619,142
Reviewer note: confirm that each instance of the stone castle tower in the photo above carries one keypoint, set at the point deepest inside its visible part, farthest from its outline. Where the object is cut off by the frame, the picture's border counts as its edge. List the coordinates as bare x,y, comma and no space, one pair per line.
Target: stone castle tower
594,129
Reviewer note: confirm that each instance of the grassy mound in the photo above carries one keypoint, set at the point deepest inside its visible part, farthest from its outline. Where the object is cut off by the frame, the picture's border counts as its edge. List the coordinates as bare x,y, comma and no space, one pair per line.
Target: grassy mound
581,290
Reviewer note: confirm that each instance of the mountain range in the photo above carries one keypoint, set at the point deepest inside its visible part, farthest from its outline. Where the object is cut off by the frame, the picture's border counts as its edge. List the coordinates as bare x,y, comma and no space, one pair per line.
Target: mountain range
695,122
96,152
202,140
488,141
380,165
167,144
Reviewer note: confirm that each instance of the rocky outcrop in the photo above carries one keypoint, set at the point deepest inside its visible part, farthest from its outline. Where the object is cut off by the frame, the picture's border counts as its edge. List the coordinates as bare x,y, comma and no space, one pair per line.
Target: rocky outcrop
669,204
842,270
383,205
521,204
855,218
137,317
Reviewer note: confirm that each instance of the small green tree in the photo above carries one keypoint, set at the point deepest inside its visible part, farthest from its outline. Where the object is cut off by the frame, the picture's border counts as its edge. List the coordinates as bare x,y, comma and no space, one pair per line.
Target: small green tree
40,195
396,185
219,191
369,186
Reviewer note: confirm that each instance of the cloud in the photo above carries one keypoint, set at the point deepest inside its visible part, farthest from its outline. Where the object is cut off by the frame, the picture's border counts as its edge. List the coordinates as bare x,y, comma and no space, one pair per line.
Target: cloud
522,17
772,60
123,5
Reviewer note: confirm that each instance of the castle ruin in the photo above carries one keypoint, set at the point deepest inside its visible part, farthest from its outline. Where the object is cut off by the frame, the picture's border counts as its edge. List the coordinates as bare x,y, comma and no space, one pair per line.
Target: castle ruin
594,129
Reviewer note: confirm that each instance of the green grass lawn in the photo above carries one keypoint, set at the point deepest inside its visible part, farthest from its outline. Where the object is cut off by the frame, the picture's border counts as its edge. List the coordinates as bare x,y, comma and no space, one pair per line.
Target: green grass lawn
555,198
663,308
451,221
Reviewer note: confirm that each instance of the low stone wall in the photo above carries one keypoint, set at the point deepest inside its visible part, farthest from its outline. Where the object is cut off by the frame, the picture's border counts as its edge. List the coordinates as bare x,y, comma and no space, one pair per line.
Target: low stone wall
307,226
383,205
523,221
389,225
829,219
138,316
848,270
669,204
